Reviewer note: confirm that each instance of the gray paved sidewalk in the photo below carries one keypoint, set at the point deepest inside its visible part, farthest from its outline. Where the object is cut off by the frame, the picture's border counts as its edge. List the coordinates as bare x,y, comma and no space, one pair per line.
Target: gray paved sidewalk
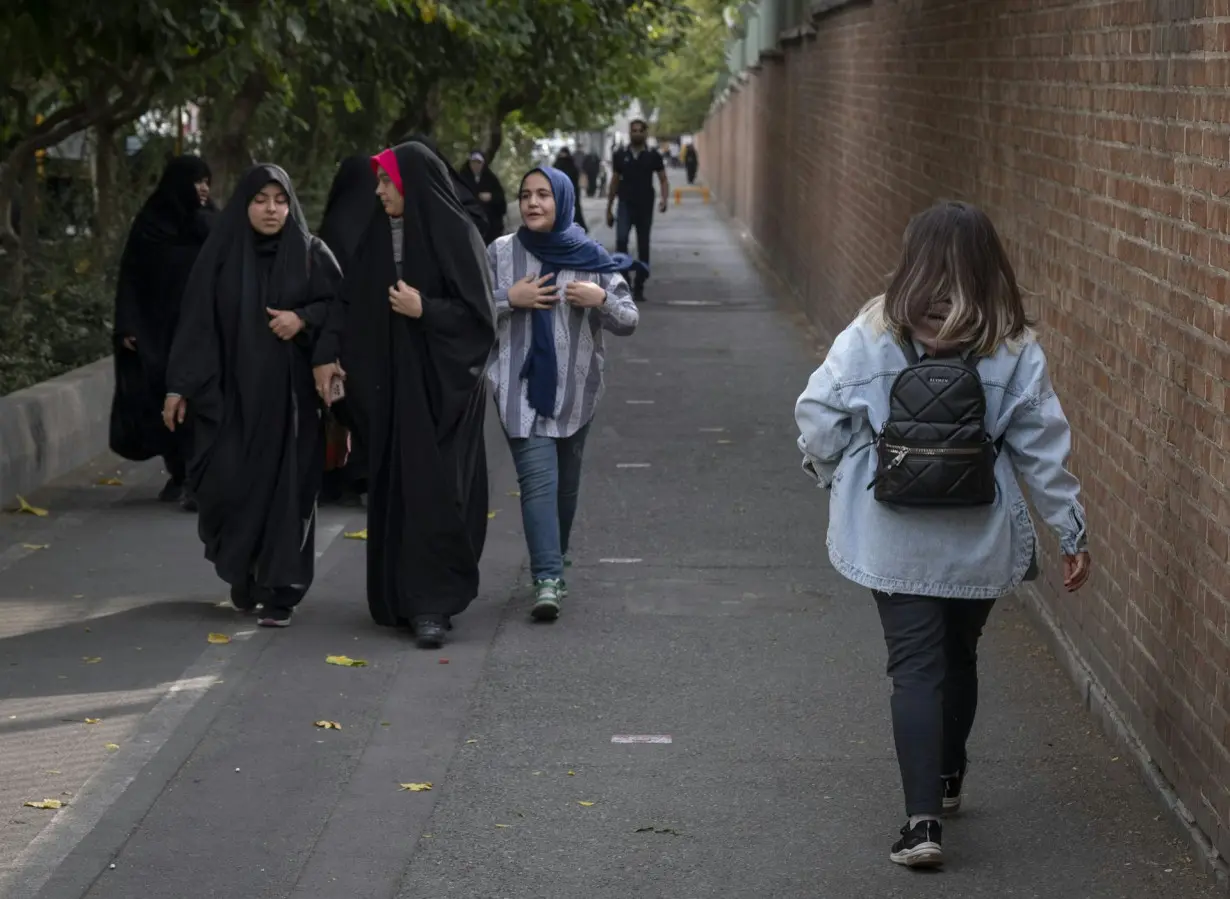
703,608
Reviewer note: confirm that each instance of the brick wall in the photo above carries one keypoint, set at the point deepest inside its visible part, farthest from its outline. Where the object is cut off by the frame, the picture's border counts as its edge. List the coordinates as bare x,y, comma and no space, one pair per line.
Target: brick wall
1097,135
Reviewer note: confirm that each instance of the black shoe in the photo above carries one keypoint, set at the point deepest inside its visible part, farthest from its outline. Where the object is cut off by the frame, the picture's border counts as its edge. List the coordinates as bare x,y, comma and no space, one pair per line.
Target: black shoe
243,598
275,616
919,846
173,492
428,632
188,501
952,791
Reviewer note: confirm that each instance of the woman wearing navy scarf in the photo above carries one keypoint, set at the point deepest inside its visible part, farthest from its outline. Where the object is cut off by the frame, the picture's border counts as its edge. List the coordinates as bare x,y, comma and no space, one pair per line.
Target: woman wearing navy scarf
556,292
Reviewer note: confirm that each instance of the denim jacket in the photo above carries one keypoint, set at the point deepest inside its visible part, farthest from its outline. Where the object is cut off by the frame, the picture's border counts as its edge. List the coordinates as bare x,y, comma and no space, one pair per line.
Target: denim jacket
979,552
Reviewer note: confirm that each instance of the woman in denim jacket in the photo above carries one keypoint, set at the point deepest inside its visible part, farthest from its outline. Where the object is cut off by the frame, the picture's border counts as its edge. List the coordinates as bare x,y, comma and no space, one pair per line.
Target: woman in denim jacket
936,572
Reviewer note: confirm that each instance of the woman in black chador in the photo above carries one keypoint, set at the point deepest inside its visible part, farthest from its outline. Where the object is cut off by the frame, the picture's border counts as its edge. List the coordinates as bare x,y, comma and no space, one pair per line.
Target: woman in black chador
162,246
241,365
348,210
414,333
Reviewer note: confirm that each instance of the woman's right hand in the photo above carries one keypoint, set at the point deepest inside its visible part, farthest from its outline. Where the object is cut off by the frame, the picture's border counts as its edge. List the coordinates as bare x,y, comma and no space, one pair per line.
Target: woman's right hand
533,293
130,343
1076,571
324,375
173,411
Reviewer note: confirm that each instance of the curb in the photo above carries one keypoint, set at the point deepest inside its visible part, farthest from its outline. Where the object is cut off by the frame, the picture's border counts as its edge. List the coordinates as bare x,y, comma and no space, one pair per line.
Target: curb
53,427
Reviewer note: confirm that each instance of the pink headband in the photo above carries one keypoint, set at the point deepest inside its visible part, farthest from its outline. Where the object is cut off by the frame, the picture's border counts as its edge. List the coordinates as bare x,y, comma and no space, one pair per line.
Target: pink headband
387,160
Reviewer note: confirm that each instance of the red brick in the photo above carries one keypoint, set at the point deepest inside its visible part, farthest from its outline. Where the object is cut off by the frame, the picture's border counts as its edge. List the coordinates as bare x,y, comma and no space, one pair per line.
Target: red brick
1098,138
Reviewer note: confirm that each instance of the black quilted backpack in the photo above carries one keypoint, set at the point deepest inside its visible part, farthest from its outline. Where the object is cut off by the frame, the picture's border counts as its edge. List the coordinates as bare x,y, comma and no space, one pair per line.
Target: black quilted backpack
934,449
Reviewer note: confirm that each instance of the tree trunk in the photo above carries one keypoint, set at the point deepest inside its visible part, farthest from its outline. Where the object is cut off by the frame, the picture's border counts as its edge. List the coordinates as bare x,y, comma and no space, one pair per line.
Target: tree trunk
105,184
419,117
226,130
495,137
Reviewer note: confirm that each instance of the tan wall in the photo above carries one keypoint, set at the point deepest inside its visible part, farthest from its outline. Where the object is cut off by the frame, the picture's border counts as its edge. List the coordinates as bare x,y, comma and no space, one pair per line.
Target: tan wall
1097,135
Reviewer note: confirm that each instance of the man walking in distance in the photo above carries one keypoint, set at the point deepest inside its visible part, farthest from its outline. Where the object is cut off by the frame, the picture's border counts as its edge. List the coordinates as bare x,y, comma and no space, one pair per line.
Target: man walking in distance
632,183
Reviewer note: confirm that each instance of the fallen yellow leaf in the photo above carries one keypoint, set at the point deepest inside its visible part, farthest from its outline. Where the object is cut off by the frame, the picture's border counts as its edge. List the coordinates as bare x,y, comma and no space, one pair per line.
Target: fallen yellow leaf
346,661
493,513
356,535
111,747
468,742
91,660
572,774
415,788
46,804
110,482
55,772
23,506
92,720
34,547
584,803
218,638
329,725
82,266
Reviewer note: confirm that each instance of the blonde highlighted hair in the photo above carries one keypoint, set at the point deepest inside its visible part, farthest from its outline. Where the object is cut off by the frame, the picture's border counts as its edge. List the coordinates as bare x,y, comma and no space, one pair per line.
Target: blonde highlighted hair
952,258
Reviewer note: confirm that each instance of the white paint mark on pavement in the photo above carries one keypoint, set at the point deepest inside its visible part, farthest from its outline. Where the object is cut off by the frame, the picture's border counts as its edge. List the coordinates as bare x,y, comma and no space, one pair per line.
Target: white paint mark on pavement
620,561
713,430
641,738
692,303
640,402
632,465
637,361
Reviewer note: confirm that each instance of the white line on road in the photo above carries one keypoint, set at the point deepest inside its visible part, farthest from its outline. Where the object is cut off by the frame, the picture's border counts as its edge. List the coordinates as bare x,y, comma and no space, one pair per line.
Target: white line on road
620,561
632,465
641,738
637,361
640,402
713,430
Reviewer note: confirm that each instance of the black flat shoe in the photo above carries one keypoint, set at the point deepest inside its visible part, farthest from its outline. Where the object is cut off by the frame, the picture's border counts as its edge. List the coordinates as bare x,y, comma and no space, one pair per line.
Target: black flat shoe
428,634
173,492
188,501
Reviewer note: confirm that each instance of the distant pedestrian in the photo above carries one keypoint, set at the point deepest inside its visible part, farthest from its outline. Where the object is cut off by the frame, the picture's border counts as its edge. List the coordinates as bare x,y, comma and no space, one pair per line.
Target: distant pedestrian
632,184
591,167
348,209
474,207
691,162
413,333
486,186
557,291
241,365
927,410
162,247
566,164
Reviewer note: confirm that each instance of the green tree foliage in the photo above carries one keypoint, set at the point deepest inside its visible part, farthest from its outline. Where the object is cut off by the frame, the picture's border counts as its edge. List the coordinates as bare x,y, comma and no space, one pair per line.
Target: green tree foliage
680,88
299,82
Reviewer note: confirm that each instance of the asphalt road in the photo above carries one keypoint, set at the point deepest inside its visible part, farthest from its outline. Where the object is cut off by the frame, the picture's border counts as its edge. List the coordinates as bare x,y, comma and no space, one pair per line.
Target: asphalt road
703,610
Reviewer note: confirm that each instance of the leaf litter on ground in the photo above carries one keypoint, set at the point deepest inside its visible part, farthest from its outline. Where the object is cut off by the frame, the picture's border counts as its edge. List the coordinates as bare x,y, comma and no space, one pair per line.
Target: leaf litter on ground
346,661
110,482
356,535
24,507
218,638
415,788
45,804
328,725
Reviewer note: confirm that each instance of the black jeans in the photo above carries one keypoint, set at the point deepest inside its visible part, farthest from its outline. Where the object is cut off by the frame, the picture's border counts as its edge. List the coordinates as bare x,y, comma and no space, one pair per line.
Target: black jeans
640,218
933,662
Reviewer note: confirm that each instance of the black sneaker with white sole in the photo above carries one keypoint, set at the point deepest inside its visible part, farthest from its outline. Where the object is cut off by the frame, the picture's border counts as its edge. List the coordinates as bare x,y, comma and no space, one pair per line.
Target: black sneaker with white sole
953,783
919,846
274,616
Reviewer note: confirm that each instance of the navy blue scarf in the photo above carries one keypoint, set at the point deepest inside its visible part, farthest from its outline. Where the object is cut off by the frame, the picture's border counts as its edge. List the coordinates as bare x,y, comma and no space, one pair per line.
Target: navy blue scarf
564,247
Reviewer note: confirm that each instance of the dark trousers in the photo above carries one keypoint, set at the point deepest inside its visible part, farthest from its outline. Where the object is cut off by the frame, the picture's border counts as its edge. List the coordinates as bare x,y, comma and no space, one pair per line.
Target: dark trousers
179,451
640,218
933,662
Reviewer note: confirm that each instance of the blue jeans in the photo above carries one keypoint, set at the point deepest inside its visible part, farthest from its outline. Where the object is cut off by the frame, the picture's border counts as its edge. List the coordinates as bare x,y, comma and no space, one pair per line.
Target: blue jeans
549,472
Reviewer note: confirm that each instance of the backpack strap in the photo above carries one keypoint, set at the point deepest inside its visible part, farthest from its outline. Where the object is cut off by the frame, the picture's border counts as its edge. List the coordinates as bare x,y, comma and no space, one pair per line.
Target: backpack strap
911,354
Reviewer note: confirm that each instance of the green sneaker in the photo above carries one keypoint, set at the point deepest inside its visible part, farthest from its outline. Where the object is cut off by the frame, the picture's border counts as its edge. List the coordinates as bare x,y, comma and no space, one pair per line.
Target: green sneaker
547,596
